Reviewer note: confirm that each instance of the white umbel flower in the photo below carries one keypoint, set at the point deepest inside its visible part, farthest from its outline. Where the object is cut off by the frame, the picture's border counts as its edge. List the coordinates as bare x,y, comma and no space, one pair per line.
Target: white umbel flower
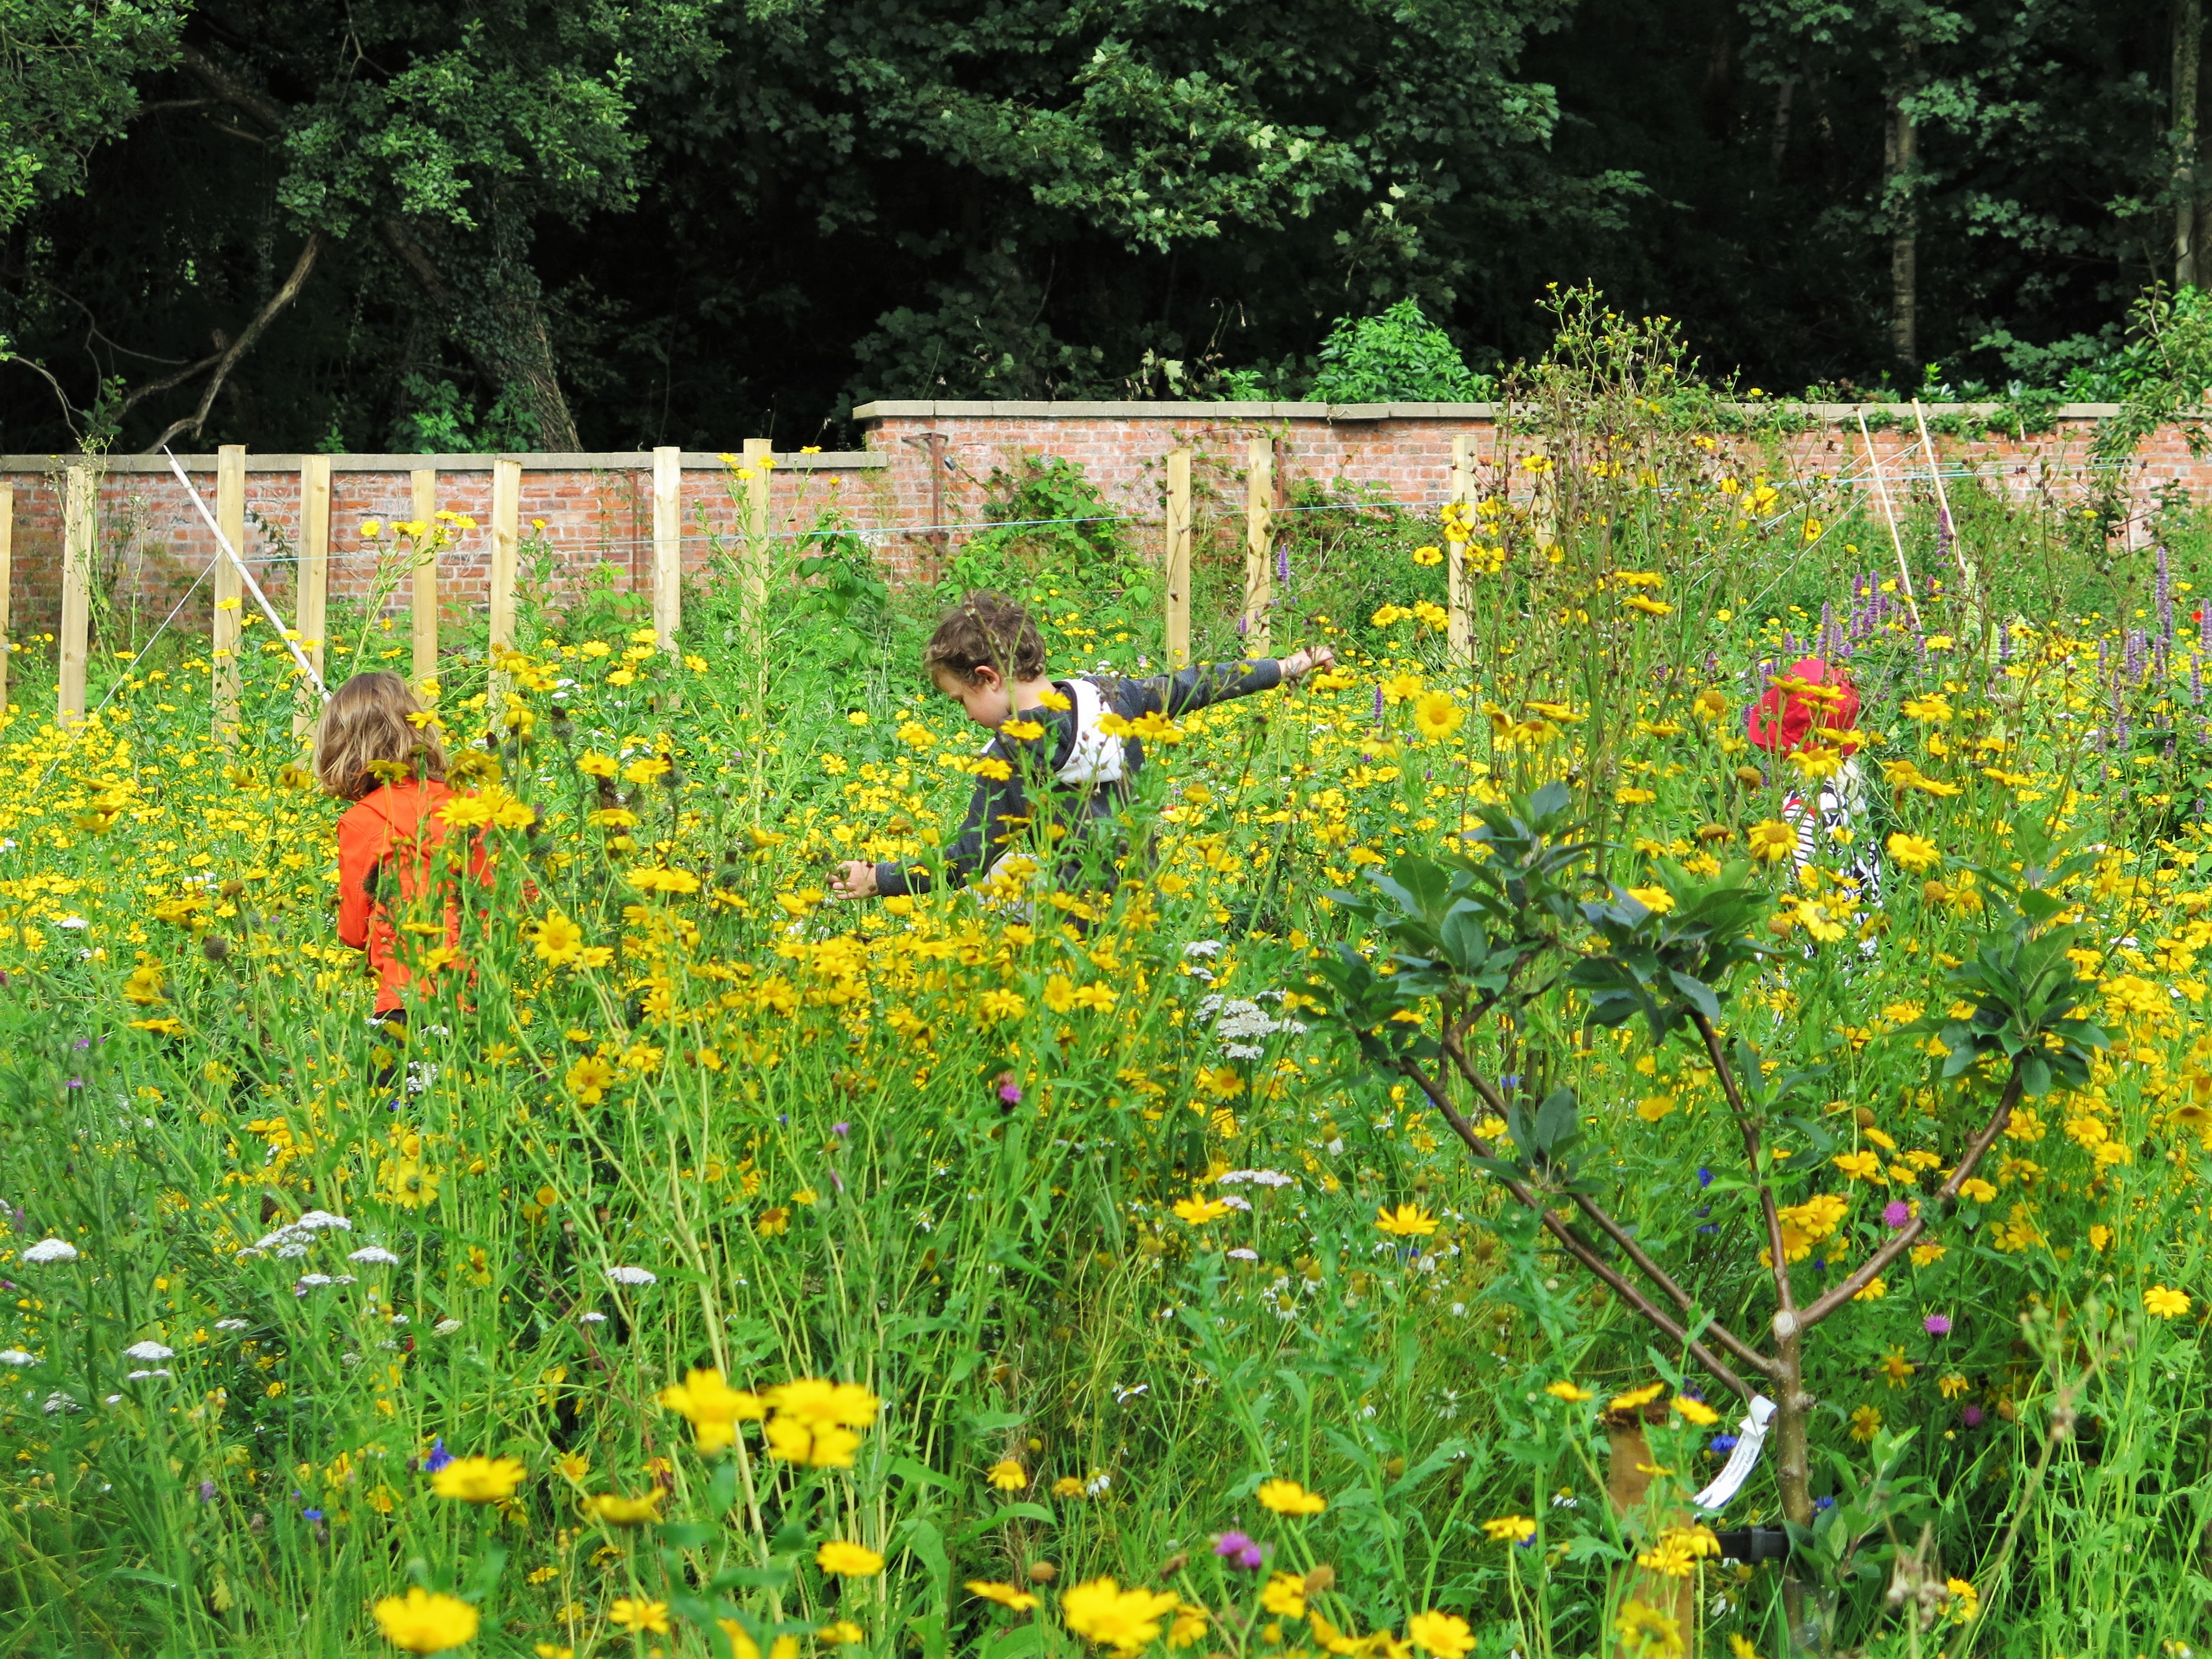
50,1250
149,1351
633,1276
374,1255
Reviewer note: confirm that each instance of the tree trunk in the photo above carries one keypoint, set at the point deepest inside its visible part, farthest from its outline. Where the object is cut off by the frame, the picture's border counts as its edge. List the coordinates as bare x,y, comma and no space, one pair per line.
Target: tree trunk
1899,154
499,322
527,355
2188,50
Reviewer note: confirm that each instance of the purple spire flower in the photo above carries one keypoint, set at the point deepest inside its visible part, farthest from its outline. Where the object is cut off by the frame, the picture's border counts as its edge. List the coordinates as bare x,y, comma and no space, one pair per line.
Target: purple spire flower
2165,603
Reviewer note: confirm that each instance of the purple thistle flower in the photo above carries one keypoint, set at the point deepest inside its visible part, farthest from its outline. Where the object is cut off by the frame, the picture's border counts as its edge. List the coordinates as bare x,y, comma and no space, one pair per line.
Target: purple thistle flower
1971,1417
1239,1550
1936,1325
1009,1091
1896,1214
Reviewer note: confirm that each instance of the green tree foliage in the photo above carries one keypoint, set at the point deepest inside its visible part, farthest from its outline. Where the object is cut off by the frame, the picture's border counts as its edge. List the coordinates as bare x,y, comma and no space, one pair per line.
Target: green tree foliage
637,221
1398,355
68,81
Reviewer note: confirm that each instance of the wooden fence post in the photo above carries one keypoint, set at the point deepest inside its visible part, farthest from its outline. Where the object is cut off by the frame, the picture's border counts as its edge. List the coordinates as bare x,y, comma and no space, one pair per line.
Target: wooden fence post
759,462
506,541
311,583
78,533
1455,587
228,634
6,576
423,613
667,544
1258,545
1178,563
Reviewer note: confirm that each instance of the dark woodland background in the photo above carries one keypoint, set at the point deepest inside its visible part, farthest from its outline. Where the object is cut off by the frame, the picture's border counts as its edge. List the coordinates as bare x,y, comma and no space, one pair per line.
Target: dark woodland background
613,223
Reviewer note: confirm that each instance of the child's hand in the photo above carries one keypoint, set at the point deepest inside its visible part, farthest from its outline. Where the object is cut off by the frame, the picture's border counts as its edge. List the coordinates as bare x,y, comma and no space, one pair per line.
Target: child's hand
1299,664
855,879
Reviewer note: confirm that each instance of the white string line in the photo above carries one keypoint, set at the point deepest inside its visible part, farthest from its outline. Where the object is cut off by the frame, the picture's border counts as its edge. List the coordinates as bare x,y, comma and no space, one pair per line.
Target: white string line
290,636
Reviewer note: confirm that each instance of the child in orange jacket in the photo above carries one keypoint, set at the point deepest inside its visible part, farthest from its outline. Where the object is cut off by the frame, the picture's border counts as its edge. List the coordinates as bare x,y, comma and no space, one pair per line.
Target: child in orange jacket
369,752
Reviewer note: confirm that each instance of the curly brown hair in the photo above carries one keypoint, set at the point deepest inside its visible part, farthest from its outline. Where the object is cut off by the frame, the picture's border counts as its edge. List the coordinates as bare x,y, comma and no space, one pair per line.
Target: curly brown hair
365,738
985,630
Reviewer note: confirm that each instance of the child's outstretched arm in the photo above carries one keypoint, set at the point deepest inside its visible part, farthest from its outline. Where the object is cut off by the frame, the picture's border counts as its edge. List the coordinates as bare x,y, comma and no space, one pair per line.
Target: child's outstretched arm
998,810
1205,682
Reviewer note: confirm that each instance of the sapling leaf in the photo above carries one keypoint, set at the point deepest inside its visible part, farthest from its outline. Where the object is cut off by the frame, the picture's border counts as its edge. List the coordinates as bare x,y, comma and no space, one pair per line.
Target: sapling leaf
1555,1122
1698,993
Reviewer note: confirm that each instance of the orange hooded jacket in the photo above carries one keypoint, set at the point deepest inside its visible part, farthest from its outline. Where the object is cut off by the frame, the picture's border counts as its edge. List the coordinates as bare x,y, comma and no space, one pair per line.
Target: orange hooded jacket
388,861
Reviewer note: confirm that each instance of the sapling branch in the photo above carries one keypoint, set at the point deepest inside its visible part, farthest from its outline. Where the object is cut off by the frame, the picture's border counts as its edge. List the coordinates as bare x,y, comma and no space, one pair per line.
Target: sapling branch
1908,1235
1785,1316
1619,1286
1603,1220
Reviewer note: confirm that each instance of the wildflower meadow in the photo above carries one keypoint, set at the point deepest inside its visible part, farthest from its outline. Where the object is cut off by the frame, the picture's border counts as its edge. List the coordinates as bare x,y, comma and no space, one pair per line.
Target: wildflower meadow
1363,1215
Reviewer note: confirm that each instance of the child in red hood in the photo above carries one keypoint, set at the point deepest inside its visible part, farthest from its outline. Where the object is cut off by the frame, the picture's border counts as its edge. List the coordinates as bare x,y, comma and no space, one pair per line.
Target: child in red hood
1813,698
369,752
1812,712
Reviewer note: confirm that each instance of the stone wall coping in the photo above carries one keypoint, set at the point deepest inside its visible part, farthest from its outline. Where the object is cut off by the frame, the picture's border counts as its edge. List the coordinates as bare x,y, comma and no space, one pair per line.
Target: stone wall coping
888,408
619,460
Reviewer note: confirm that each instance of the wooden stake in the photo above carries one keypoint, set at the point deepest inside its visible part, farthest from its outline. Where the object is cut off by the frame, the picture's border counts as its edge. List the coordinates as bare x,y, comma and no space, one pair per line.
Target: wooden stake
424,617
1258,545
1178,560
506,541
1882,489
667,544
228,634
1462,636
311,584
7,574
78,531
758,551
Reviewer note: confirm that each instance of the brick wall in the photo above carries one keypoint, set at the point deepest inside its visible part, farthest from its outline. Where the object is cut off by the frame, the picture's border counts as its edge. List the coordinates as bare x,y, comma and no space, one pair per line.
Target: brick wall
920,487
579,514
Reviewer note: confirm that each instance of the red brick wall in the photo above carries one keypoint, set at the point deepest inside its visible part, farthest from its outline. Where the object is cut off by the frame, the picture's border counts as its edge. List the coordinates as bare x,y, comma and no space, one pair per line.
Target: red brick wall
584,511
595,509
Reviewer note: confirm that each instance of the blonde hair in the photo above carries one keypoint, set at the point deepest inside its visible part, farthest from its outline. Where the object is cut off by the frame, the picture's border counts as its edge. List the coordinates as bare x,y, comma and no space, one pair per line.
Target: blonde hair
365,731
